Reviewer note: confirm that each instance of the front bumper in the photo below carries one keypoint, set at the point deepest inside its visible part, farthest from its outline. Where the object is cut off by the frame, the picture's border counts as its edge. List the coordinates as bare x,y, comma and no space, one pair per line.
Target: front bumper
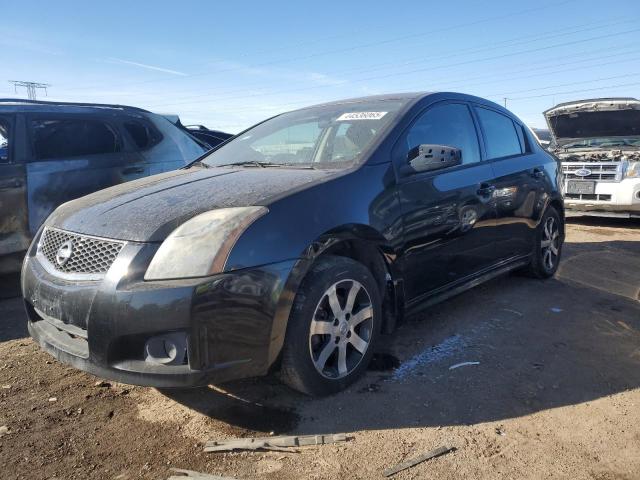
101,326
615,198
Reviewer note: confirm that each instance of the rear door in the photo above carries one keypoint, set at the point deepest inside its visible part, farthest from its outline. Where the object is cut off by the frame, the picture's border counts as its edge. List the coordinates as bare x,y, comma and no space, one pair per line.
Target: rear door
14,231
520,174
448,214
74,155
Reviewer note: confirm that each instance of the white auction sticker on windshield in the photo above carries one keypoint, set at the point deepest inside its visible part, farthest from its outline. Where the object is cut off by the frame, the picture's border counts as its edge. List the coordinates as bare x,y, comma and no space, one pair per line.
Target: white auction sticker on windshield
361,116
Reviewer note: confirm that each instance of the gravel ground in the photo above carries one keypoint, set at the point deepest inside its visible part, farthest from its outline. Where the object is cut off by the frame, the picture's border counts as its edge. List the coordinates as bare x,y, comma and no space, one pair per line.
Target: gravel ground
555,393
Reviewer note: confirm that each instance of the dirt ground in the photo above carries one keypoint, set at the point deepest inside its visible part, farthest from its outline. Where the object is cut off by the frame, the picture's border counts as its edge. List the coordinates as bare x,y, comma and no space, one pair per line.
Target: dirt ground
556,393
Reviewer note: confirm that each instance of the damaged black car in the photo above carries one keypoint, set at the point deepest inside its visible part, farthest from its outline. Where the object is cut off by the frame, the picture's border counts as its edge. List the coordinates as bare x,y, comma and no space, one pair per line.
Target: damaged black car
295,245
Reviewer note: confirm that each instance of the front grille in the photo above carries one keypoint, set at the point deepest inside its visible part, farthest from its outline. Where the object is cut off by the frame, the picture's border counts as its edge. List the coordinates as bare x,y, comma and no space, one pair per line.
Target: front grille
89,255
602,172
601,197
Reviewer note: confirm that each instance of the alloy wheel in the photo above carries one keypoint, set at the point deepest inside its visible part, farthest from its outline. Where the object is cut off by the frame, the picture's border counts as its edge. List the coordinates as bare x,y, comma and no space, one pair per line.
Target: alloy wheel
341,329
550,243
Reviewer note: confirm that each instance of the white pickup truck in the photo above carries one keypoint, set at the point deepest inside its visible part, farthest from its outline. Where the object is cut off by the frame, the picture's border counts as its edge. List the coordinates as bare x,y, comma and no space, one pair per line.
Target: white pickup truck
598,144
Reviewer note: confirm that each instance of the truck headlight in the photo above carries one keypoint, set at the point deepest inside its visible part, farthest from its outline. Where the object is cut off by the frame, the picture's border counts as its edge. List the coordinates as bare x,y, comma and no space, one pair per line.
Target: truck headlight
200,246
633,170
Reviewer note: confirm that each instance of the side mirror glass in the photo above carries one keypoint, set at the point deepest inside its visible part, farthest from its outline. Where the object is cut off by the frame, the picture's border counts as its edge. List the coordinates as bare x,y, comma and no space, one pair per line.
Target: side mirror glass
425,158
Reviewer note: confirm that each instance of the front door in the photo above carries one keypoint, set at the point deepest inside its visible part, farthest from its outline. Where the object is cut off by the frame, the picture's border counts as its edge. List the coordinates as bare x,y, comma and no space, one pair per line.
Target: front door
448,214
14,231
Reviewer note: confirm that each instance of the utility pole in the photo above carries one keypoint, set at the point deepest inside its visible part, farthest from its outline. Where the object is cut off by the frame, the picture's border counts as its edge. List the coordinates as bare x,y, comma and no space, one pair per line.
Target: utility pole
30,86
505,101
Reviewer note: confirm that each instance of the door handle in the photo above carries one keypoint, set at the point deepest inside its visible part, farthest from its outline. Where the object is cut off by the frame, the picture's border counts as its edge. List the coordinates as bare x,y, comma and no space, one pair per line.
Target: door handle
537,173
126,171
9,184
486,190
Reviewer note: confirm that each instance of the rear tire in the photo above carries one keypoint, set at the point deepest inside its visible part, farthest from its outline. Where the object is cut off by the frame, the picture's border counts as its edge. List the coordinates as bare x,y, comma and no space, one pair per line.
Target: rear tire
333,327
548,246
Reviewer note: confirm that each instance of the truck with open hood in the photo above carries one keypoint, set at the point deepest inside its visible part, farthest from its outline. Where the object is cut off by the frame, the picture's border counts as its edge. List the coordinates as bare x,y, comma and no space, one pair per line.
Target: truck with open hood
598,144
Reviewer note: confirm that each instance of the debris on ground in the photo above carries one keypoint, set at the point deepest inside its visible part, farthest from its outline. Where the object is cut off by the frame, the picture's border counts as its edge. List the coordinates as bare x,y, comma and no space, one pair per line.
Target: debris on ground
463,364
415,461
4,430
182,474
500,431
53,399
282,443
102,384
556,310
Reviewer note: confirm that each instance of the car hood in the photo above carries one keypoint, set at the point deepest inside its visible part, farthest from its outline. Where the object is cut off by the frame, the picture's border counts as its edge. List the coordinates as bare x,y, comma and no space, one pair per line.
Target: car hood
149,209
598,118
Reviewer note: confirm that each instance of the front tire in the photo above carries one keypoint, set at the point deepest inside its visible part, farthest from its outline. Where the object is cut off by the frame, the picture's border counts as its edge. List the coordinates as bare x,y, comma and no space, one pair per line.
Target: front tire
333,327
548,245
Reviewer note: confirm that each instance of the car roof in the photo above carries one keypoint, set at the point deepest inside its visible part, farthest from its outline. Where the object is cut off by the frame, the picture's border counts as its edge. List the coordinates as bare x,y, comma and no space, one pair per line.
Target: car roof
411,98
40,106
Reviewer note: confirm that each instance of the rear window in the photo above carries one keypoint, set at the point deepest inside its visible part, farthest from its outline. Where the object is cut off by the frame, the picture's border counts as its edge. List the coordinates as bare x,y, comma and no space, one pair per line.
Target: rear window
500,134
69,138
143,135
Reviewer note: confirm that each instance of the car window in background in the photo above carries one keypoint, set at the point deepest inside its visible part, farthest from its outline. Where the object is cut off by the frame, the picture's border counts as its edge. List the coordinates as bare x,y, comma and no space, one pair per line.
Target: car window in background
4,141
142,134
450,124
500,134
326,136
68,138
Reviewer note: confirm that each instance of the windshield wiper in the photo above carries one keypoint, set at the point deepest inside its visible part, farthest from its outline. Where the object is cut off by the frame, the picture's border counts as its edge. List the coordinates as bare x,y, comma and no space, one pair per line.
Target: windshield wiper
250,163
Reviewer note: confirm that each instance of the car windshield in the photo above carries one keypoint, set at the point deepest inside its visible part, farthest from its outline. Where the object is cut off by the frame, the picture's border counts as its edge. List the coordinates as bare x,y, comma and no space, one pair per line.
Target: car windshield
330,136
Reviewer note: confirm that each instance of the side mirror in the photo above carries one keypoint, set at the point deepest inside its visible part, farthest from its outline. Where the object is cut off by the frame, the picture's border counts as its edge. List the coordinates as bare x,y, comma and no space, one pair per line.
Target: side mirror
425,158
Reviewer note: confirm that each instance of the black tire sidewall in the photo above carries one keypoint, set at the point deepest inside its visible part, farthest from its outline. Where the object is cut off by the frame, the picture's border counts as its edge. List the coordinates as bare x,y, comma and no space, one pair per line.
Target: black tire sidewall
297,356
538,258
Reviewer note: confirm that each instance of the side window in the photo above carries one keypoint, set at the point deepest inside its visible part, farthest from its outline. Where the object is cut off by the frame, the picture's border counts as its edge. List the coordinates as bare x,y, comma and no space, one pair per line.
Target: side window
5,130
500,134
524,139
142,134
69,138
449,124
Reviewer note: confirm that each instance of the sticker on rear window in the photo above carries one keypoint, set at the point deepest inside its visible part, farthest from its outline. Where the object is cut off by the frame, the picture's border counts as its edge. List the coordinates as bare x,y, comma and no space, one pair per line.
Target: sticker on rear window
361,116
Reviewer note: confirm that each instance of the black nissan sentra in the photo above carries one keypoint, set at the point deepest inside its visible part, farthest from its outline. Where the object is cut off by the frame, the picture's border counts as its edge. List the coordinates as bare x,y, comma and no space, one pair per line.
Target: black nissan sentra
294,245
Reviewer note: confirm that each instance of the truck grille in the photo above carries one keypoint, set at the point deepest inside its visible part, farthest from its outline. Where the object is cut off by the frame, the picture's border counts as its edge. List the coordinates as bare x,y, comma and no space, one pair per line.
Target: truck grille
598,197
86,255
601,172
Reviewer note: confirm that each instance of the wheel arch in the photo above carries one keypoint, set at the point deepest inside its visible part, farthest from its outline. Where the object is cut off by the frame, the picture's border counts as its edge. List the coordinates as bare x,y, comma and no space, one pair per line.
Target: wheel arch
361,243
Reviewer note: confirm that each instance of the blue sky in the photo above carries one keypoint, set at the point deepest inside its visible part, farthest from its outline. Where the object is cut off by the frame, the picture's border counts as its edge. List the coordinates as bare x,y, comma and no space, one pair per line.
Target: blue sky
228,65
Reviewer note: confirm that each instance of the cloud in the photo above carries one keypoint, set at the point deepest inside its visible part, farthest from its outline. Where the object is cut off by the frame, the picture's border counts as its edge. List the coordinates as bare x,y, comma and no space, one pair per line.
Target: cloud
148,67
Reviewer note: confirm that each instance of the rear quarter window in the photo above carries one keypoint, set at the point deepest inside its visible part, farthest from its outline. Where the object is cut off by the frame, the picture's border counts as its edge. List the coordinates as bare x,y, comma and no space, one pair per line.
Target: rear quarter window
5,132
69,138
501,137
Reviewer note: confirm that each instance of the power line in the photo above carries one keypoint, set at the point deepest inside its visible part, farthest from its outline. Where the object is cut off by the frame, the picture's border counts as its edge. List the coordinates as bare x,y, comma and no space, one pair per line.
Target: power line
31,87
350,48
383,66
430,68
497,95
608,87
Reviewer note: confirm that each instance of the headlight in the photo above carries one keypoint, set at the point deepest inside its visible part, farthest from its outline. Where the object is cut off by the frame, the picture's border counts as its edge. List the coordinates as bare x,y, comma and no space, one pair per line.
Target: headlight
633,170
200,246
